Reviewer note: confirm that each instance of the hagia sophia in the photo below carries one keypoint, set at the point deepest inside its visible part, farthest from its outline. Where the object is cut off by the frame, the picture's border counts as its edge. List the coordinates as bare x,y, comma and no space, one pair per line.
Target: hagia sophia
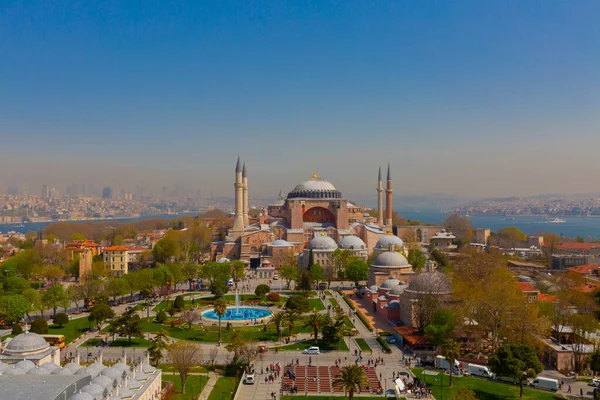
314,218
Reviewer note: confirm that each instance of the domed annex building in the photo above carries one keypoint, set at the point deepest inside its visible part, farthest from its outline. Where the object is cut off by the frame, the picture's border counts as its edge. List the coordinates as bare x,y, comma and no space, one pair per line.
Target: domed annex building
30,369
313,209
389,264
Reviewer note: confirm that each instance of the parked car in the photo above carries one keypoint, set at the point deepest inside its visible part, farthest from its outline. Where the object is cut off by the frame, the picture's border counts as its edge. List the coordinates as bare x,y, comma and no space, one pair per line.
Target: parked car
249,379
594,383
312,350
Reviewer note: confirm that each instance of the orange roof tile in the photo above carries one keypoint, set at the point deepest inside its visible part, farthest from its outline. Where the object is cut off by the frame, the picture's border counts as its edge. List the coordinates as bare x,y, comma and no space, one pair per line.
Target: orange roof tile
578,246
587,288
526,287
547,298
115,248
586,269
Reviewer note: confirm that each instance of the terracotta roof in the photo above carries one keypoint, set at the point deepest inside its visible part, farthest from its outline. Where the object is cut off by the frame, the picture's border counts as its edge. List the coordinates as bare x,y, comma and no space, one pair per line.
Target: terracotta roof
514,263
578,246
116,248
411,335
526,287
587,288
547,298
586,269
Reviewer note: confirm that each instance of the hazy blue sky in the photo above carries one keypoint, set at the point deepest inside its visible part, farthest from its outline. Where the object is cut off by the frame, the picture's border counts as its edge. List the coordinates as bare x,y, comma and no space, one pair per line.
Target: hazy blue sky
474,98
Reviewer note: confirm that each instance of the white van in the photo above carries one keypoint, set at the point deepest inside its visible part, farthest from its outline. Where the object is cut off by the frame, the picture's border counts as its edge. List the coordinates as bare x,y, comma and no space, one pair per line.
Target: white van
479,370
545,383
442,363
312,350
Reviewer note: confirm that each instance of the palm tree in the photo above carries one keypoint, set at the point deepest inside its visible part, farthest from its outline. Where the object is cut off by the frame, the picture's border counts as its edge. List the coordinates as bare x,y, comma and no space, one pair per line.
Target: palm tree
278,319
451,351
291,316
220,308
351,377
315,321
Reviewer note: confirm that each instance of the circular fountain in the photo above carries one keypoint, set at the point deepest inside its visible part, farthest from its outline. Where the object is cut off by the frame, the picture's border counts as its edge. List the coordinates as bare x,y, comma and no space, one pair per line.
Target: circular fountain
239,313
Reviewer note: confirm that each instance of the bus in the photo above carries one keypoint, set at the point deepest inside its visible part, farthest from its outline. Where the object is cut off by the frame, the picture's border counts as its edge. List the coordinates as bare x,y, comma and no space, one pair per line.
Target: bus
55,340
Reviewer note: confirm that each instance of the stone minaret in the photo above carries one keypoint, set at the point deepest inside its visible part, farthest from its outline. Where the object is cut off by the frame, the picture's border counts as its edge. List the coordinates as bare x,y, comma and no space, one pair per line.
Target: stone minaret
380,199
388,198
245,192
238,222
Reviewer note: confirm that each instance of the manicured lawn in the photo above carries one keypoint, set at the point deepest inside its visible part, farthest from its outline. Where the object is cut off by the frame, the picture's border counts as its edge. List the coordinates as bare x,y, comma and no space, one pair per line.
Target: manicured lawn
362,343
327,293
163,305
223,388
210,333
308,343
333,302
72,330
298,292
192,386
485,389
120,342
316,304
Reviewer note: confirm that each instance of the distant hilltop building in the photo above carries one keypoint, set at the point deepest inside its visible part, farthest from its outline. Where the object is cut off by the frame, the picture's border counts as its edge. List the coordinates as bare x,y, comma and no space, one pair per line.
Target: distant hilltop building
313,216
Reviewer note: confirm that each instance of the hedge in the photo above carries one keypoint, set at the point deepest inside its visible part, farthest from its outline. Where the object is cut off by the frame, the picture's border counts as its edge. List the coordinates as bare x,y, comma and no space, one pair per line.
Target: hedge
364,320
350,304
384,345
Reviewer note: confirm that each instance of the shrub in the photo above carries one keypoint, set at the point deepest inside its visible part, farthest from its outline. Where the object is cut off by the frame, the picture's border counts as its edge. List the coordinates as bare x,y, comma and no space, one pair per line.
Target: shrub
171,311
39,326
228,327
364,320
384,346
262,289
297,302
179,303
274,297
17,330
161,317
347,300
61,319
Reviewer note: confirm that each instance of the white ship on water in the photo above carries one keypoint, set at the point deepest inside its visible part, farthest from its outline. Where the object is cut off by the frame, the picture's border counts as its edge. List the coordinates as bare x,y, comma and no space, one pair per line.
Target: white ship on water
556,220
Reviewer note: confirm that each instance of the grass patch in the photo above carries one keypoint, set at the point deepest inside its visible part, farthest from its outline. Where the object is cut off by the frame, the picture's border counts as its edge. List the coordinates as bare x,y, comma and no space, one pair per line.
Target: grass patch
193,384
71,330
362,344
337,397
308,343
316,304
298,293
334,303
327,293
223,388
485,389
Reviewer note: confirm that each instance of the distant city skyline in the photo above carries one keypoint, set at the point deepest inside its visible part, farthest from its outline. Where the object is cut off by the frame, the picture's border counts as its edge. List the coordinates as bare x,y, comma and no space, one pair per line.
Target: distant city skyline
471,99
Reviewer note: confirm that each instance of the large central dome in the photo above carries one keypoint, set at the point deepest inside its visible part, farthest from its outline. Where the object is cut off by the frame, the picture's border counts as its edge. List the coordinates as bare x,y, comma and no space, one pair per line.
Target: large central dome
315,188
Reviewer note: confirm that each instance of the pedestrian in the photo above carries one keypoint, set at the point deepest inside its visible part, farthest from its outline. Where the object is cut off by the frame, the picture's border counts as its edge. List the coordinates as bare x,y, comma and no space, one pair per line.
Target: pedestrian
569,389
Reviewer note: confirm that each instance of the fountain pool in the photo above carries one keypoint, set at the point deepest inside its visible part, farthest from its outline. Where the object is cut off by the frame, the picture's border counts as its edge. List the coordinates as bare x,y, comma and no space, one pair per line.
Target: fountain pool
239,314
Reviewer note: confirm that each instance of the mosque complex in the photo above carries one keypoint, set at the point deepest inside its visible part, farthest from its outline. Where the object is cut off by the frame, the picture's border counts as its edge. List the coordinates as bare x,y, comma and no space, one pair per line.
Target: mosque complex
314,218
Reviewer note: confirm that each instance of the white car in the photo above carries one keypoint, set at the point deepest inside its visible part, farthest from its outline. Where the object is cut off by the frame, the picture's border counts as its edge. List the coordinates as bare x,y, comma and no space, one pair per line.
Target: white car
250,379
594,383
312,350
275,277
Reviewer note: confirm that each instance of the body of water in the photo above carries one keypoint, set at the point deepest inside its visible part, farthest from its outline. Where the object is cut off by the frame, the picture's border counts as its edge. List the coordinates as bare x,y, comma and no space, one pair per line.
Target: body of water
38,226
573,227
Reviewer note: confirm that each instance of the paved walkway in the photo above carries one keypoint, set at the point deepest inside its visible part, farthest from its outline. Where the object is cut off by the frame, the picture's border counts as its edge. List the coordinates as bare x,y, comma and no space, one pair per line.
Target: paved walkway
210,384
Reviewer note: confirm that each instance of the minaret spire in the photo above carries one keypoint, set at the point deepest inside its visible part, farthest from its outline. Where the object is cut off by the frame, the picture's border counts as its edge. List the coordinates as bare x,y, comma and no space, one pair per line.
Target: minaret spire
245,196
238,167
388,198
238,222
379,199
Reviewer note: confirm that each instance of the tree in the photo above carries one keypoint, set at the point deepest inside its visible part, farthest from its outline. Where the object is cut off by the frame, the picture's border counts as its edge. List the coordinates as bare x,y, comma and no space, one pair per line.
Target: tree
460,226
512,235
439,257
129,325
583,326
416,258
339,259
516,360
274,297
190,272
335,329
357,270
39,326
316,273
13,307
305,282
289,273
157,344
34,299
15,285
220,308
190,317
238,272
75,294
291,316
350,378
52,274
595,361
217,274
441,327
315,321
183,355
278,319
61,319
161,317
54,296
297,302
116,287
262,289
100,313
451,351
551,245
179,303
177,274
166,248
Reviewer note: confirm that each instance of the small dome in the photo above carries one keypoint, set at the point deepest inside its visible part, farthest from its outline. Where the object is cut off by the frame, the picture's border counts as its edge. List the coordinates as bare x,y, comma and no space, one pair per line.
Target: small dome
134,384
397,290
37,371
373,288
386,241
430,282
103,381
391,259
148,369
73,367
113,373
389,283
351,243
281,243
81,396
3,367
14,371
26,343
125,393
25,365
50,366
62,371
322,243
93,389
393,304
